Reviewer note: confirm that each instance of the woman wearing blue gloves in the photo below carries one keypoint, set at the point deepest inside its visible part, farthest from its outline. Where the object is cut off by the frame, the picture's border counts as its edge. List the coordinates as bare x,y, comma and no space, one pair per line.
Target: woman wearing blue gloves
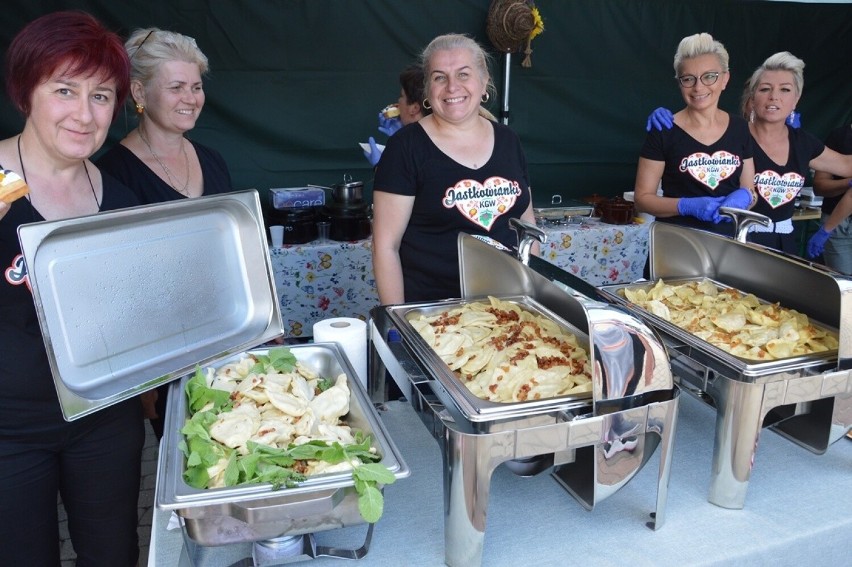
783,152
410,109
705,160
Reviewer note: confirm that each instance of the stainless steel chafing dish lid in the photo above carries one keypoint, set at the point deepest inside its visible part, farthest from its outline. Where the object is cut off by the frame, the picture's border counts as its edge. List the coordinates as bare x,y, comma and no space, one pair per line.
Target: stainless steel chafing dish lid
815,290
628,356
133,298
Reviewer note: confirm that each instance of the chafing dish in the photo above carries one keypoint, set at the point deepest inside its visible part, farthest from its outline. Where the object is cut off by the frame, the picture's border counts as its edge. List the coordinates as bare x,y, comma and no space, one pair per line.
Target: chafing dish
807,399
134,298
257,512
593,445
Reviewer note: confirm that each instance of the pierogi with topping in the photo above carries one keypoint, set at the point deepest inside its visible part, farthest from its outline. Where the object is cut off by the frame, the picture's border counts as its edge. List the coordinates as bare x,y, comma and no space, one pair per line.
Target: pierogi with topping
504,353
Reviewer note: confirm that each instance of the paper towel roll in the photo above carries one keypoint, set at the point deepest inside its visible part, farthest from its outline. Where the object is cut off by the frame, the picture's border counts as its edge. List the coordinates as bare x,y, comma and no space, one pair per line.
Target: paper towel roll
351,335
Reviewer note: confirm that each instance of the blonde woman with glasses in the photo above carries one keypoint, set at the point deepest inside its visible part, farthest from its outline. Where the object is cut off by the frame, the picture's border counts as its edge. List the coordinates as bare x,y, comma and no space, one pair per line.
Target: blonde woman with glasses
783,153
704,161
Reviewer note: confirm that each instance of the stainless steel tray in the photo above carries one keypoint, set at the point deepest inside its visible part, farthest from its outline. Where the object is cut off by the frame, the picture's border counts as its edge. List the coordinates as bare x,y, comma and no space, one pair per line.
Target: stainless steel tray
133,298
747,366
474,408
254,512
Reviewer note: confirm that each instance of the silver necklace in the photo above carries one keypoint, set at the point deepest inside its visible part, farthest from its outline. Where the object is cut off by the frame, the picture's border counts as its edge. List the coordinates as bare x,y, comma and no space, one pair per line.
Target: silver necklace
24,175
168,172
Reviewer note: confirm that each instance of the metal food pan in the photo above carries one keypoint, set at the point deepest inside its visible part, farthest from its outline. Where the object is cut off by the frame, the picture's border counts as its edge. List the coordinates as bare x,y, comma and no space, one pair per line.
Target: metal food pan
130,299
475,408
561,213
253,512
746,365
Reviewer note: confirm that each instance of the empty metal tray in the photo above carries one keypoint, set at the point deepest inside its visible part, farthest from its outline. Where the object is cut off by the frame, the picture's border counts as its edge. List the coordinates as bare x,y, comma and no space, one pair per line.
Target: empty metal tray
133,298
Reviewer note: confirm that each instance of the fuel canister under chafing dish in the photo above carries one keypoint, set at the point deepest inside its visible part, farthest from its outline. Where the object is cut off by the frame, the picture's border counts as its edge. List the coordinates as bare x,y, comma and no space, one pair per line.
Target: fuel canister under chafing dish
594,444
807,399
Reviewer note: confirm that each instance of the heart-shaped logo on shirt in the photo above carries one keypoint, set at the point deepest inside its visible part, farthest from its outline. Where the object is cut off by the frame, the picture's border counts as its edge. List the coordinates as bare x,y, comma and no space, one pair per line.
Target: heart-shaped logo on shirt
710,169
482,203
777,189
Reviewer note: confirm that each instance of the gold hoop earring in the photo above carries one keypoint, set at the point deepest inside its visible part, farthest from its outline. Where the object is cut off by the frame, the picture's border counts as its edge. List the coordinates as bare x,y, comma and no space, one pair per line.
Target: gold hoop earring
485,98
425,104
139,108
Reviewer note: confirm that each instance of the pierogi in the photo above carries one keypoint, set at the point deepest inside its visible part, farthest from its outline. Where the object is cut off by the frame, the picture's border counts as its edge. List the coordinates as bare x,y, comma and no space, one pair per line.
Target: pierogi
504,353
736,322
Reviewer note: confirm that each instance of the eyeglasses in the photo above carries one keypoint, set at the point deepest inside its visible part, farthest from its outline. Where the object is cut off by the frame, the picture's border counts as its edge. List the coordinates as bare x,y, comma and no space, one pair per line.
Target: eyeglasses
708,79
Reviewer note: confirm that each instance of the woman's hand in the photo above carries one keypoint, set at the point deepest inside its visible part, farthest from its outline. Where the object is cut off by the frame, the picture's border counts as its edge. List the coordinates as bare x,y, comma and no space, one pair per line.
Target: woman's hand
389,126
816,244
739,199
4,208
374,154
702,208
661,119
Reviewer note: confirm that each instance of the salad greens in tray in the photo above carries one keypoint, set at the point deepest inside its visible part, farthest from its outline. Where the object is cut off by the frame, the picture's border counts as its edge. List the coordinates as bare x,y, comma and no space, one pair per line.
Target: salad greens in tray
267,418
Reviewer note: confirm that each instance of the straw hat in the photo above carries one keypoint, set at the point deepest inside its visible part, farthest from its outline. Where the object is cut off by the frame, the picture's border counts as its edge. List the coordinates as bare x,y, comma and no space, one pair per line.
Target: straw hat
512,24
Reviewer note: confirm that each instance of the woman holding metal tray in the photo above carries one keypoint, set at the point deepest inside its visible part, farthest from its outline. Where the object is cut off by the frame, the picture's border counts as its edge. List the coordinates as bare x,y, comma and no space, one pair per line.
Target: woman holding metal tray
68,76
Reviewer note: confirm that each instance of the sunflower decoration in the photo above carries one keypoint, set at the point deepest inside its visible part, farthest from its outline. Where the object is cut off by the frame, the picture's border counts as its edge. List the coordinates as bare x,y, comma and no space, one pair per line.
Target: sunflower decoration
538,28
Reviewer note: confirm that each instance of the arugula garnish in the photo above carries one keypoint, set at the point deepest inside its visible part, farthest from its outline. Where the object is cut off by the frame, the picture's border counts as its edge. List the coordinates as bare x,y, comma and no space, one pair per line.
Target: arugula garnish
264,464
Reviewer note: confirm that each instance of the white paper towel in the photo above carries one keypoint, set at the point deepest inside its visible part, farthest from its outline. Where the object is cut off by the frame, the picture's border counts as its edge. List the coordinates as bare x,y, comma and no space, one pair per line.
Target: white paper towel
351,335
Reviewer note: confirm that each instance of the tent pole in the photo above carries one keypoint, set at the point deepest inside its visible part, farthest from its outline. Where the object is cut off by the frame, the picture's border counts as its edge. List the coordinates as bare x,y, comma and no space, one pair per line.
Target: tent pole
507,67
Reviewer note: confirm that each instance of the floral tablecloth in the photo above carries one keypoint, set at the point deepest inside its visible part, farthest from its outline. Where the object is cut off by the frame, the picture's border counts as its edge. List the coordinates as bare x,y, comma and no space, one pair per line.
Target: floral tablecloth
599,253
320,280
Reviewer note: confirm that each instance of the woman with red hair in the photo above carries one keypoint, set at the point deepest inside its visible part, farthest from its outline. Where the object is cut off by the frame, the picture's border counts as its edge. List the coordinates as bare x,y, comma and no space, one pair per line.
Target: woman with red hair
68,75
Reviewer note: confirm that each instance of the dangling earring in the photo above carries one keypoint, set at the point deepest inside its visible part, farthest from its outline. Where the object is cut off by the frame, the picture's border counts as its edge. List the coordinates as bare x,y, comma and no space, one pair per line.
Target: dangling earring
425,104
751,116
485,98
140,108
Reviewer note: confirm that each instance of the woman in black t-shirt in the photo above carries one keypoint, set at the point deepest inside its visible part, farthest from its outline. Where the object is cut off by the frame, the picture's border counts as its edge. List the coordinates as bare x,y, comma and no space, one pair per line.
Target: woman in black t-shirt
453,171
67,75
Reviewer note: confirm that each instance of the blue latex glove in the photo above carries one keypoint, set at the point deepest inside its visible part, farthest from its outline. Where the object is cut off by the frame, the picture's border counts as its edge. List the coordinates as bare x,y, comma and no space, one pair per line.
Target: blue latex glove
374,154
739,199
702,208
817,242
661,119
794,119
389,126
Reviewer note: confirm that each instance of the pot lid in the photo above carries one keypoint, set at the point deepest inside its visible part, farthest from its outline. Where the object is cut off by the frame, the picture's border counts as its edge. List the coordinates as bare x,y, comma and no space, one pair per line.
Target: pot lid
130,299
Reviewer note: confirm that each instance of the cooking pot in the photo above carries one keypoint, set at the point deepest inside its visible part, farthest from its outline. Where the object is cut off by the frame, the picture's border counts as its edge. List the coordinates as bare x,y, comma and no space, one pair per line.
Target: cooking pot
617,211
347,192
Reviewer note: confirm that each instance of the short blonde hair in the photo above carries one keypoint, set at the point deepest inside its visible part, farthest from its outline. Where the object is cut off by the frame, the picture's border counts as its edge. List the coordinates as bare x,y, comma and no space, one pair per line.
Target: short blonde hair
149,48
447,42
697,45
781,61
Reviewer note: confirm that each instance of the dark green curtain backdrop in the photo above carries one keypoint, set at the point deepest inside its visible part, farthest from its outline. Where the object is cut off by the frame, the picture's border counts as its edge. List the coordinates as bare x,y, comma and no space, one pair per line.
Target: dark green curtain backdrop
296,84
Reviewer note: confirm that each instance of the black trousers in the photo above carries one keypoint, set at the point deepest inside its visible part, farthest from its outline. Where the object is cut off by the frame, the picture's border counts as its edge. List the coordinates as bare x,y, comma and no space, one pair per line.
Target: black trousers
94,463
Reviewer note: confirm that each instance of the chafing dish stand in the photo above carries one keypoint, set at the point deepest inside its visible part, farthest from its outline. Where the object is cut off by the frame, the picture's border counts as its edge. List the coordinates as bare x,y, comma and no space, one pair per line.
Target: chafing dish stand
594,446
807,399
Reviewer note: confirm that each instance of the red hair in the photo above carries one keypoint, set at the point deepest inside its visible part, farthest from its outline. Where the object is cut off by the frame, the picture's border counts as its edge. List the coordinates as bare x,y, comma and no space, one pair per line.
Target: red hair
71,39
